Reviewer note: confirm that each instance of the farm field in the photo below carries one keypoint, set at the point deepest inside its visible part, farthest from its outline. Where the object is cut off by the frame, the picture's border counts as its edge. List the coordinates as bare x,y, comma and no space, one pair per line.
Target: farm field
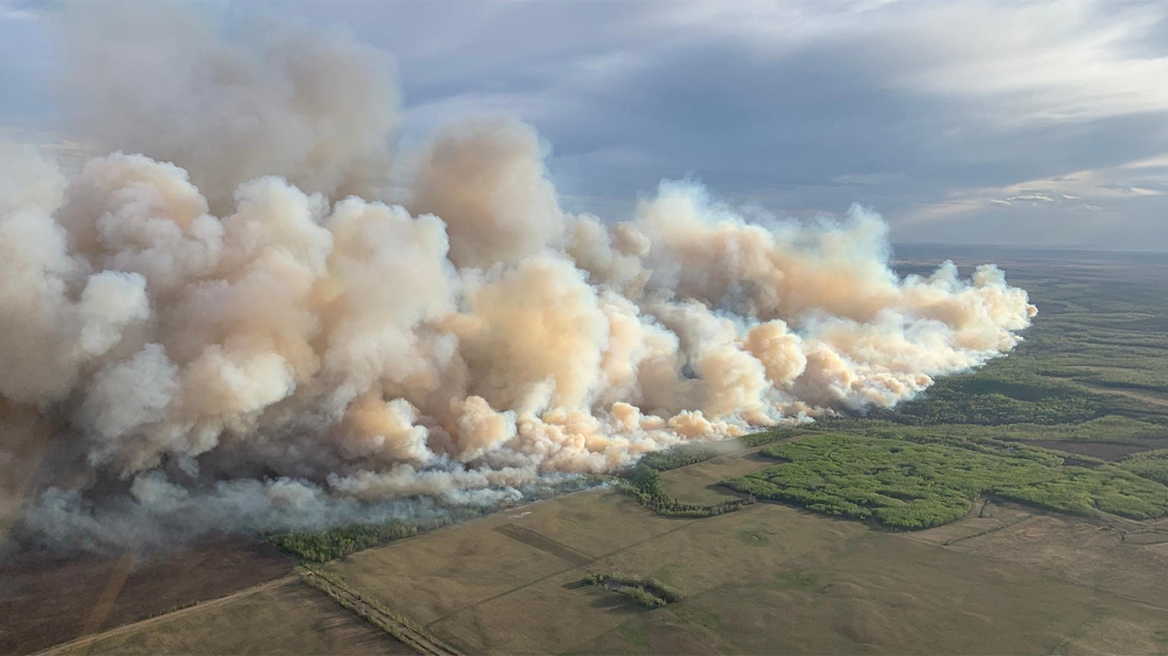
774,579
46,600
287,617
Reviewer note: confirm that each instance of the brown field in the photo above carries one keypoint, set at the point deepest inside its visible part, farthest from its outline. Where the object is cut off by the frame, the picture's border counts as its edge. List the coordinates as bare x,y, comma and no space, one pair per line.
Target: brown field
46,600
882,593
1090,554
771,579
289,617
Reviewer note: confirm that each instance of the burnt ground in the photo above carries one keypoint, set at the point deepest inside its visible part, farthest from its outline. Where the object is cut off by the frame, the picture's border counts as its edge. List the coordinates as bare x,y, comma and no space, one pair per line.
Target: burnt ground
47,599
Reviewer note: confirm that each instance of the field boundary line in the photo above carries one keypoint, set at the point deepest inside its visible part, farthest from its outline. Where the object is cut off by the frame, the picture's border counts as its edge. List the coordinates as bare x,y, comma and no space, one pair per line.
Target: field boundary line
979,534
86,640
400,628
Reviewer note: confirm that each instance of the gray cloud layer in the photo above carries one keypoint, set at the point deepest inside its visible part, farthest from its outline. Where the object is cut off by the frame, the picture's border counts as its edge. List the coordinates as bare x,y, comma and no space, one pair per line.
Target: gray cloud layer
928,111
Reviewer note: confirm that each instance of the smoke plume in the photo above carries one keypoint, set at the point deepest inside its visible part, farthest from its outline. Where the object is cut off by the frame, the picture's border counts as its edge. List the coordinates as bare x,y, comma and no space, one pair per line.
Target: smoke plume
210,329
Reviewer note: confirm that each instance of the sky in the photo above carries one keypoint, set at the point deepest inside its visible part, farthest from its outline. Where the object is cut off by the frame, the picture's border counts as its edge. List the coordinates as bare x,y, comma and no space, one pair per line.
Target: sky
1013,123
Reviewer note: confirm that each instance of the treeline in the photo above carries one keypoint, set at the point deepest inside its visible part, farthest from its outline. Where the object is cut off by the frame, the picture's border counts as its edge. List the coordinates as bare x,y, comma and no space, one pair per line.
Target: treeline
649,593
1108,428
645,486
340,541
321,546
770,436
674,458
1007,398
691,455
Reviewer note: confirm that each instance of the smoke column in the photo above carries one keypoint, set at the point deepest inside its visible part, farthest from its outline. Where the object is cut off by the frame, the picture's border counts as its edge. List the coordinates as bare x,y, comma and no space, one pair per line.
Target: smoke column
216,333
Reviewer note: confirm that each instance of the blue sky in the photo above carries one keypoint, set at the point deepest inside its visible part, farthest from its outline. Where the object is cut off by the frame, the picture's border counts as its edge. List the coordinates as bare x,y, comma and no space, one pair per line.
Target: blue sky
961,122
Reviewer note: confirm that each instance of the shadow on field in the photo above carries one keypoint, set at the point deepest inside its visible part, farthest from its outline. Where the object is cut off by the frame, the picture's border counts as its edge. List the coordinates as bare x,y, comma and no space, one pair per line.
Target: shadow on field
616,604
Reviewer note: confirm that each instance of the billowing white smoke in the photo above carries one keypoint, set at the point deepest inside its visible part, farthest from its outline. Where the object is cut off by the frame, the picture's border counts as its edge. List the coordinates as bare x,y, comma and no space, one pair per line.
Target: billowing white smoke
289,356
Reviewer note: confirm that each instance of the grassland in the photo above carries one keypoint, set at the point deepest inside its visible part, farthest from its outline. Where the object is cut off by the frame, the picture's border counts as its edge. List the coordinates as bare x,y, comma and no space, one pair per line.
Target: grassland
769,579
288,618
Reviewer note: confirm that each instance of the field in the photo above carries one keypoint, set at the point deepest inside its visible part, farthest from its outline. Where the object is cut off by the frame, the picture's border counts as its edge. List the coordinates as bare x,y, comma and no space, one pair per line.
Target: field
45,600
773,579
1021,508
287,617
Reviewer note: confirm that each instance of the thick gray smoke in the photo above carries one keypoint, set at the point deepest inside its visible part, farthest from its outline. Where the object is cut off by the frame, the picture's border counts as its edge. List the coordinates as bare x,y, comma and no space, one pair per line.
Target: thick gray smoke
214,335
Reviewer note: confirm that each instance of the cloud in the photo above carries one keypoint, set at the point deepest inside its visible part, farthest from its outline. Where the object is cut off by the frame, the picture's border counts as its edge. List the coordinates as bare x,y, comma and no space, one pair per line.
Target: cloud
913,107
1032,197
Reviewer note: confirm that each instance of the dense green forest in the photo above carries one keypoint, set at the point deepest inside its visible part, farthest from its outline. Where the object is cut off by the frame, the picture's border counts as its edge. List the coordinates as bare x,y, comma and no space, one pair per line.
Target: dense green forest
912,485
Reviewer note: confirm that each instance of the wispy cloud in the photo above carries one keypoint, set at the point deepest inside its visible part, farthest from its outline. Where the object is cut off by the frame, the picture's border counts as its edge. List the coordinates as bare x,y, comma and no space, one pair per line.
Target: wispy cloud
1032,197
1130,190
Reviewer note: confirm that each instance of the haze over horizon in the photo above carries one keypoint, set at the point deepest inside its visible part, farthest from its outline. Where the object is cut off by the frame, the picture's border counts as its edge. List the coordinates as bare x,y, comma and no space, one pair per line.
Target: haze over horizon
1045,129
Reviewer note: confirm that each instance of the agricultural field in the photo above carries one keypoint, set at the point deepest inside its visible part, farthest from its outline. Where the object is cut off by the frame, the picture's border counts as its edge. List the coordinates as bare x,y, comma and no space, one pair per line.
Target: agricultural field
775,579
288,617
45,599
1020,508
